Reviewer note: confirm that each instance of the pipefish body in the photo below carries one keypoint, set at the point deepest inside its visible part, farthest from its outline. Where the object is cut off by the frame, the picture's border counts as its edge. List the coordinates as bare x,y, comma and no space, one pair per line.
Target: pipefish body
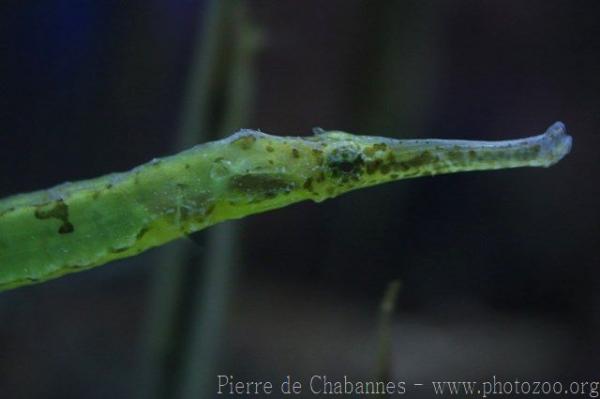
76,226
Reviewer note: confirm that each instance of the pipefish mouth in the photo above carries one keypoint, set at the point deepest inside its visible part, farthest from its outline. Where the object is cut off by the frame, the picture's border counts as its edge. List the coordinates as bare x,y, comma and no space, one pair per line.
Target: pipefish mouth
77,226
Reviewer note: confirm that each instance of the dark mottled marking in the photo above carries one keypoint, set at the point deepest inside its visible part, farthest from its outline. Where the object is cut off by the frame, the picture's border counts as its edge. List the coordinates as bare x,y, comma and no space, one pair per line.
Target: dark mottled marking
345,162
271,162
96,194
318,155
472,155
269,148
265,184
295,153
108,186
185,214
385,169
245,142
202,205
66,228
373,166
455,155
369,151
346,166
210,209
422,159
308,184
394,176
118,250
187,165
528,153
57,210
142,232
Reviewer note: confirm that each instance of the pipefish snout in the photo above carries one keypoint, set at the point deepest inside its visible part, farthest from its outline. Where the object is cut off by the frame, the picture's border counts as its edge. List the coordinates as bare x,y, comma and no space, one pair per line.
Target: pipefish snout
555,144
76,226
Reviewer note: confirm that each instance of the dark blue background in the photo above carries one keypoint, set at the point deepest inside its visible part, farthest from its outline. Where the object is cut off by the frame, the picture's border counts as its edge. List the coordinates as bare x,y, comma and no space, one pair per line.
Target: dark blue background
500,270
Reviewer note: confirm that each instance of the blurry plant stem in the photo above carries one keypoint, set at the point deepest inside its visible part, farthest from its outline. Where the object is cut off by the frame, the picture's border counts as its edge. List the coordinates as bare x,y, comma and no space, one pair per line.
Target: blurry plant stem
386,314
190,289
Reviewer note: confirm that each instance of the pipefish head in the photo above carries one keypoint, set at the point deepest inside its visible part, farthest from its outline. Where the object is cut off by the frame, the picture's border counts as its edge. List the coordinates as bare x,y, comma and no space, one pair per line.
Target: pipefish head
351,162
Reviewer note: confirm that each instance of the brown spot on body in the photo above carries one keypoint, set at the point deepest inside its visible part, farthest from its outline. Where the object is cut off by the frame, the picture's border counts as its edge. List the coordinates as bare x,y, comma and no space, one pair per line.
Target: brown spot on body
455,156
373,166
308,184
263,184
142,232
295,153
209,209
416,162
317,153
66,228
245,142
346,163
118,250
370,151
56,210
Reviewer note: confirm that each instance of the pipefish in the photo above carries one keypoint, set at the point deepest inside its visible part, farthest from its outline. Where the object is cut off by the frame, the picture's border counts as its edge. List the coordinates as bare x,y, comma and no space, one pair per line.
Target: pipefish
76,226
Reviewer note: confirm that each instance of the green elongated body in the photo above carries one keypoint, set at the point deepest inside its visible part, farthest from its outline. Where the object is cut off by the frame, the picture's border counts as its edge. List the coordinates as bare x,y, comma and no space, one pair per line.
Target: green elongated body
76,226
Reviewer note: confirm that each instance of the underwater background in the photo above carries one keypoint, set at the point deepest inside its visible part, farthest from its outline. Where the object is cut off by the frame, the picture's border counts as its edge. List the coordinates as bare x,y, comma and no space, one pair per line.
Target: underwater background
498,273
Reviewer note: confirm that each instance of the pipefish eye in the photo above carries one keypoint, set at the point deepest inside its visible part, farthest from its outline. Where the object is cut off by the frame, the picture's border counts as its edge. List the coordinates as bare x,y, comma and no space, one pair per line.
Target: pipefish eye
345,160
